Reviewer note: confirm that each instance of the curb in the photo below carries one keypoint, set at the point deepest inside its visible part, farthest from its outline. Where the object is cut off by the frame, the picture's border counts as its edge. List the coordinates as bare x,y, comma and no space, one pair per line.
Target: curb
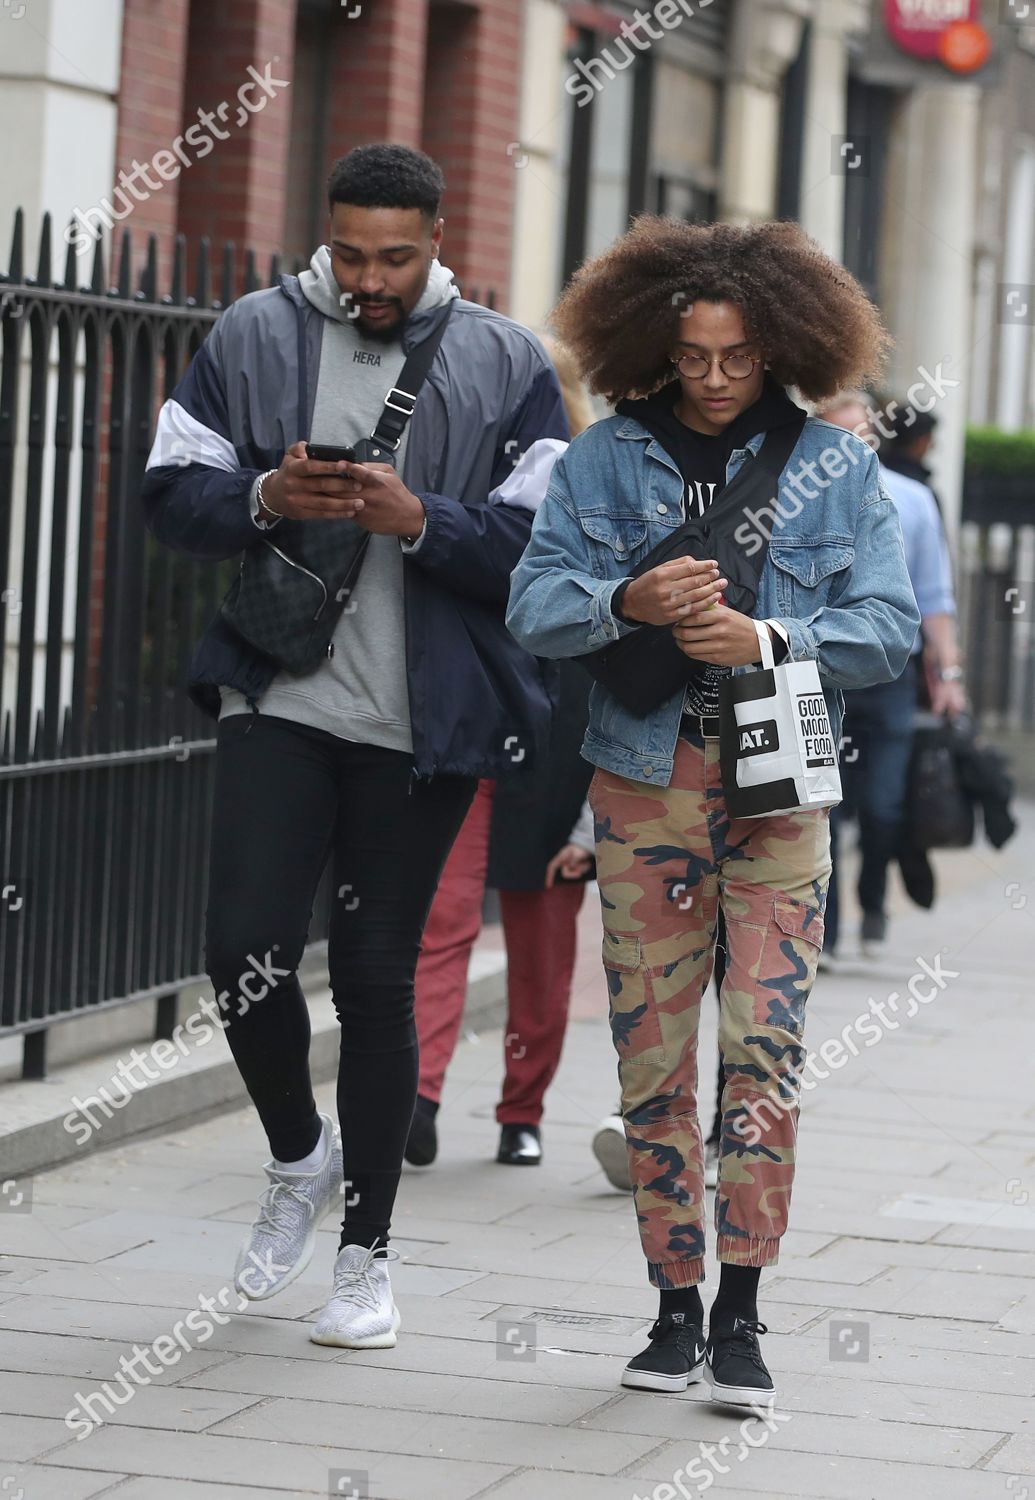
203,1084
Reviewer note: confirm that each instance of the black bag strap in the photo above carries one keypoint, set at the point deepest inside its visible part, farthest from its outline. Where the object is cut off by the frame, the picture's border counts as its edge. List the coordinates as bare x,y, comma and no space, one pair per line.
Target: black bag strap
778,445
402,398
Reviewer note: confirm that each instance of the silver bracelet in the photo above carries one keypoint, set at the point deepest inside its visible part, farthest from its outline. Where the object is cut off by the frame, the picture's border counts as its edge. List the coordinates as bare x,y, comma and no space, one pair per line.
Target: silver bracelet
258,494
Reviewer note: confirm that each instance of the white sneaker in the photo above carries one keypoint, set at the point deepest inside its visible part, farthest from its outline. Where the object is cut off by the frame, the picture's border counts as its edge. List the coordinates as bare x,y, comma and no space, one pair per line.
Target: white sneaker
612,1153
361,1313
280,1243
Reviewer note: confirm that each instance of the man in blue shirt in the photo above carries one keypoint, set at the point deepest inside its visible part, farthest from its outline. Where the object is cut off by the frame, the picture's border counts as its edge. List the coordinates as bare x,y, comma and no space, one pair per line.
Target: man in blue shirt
878,724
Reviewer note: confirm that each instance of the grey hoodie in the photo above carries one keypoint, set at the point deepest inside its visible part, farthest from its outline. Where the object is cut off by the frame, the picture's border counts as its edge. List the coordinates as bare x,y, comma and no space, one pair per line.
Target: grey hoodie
360,692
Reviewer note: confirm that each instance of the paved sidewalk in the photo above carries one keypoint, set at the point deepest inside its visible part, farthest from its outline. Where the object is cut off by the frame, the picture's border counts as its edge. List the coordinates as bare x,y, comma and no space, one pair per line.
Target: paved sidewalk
902,1311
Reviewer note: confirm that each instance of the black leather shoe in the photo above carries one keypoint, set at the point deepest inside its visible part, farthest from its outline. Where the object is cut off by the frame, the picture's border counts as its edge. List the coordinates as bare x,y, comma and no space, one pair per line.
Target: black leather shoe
736,1370
520,1146
422,1142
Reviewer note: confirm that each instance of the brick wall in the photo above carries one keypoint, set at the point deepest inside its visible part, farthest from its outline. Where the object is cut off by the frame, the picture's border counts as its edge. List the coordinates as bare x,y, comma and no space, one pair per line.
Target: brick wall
154,56
442,76
377,77
237,192
470,117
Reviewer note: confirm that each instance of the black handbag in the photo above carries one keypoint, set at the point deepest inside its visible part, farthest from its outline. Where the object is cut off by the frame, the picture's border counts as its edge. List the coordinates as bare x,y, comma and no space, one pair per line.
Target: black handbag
939,812
644,668
294,586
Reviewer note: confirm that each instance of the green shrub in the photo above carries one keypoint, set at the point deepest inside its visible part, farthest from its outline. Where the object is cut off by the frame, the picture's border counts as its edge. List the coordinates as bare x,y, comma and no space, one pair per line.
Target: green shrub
989,450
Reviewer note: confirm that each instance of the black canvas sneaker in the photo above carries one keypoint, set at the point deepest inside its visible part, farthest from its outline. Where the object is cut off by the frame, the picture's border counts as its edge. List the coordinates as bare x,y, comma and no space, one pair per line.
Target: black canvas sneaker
736,1370
673,1359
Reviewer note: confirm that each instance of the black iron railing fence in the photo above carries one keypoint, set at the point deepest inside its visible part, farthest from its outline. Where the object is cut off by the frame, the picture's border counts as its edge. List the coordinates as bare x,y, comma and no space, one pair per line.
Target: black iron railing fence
996,579
105,765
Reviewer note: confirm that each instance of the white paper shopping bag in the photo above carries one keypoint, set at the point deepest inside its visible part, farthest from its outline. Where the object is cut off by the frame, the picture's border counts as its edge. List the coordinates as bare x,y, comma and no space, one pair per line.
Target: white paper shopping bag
776,748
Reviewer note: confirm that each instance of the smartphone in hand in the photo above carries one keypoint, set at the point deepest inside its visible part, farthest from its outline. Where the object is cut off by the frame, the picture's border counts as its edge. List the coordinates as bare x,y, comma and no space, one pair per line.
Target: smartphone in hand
325,453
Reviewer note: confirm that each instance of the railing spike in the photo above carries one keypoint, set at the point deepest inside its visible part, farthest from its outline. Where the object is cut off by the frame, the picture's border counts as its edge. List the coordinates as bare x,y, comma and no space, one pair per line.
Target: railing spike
149,275
70,260
14,270
228,275
97,272
125,285
179,271
203,295
43,277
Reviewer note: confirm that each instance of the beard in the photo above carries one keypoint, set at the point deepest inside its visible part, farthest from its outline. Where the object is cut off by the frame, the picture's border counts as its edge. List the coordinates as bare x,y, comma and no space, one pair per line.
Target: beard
382,332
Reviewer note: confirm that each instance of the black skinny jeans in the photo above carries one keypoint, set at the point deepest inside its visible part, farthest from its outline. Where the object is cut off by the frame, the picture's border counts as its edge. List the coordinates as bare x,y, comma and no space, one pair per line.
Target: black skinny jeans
287,796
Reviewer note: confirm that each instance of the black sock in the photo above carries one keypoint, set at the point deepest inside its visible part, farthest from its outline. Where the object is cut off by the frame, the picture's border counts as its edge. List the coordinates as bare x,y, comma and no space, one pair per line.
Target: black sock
736,1297
686,1300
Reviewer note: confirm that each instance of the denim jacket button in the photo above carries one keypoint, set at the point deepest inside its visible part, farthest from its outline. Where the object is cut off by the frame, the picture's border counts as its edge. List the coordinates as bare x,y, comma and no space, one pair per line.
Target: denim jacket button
662,510
648,770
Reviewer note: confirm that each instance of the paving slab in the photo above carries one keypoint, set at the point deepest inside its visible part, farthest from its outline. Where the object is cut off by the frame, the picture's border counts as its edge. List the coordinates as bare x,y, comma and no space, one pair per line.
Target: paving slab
89,1358
403,1390
312,1423
694,1417
298,1468
781,1472
153,1488
179,1408
41,1482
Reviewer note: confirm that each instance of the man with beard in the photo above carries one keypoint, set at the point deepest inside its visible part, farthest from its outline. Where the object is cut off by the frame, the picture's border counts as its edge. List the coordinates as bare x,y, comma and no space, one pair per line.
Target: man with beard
372,756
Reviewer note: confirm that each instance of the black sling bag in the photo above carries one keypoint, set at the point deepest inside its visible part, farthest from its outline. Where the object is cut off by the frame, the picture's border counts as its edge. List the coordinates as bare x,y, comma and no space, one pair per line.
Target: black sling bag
644,668
294,586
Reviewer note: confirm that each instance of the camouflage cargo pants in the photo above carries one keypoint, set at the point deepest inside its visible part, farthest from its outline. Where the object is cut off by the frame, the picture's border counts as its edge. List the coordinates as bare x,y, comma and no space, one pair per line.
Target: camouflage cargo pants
666,858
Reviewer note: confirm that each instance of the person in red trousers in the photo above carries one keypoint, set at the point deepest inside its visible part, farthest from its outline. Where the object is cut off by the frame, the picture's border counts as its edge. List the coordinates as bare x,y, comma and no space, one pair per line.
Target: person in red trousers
531,838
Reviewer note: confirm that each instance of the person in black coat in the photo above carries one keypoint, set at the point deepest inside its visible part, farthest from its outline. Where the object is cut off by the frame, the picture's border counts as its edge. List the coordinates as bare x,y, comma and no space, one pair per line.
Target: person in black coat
529,836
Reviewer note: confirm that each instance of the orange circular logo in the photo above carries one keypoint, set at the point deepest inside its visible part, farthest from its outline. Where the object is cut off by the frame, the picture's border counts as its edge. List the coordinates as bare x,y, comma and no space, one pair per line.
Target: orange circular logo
964,46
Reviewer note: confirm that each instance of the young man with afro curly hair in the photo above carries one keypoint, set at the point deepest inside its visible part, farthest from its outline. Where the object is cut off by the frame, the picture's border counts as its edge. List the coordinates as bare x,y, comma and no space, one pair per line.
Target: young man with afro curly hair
695,333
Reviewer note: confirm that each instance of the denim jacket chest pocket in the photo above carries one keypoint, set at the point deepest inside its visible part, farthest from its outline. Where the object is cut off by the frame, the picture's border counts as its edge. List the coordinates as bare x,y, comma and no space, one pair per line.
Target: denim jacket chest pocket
620,540
806,573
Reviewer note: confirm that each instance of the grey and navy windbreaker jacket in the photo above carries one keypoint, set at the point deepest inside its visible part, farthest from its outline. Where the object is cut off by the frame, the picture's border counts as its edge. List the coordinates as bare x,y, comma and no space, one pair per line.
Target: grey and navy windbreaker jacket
479,704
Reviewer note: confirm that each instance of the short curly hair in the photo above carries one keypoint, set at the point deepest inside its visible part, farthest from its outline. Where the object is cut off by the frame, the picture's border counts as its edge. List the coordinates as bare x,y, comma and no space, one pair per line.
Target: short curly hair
815,326
385,175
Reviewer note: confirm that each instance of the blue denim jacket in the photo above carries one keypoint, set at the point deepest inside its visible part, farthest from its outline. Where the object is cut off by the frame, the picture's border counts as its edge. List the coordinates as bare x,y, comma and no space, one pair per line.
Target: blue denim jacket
835,576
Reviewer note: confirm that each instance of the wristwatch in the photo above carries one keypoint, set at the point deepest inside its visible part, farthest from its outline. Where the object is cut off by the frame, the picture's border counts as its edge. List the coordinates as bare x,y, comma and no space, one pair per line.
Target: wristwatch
950,674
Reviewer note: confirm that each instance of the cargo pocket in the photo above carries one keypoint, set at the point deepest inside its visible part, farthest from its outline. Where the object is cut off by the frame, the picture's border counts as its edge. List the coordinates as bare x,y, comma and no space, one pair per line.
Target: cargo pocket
788,968
645,982
635,1028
